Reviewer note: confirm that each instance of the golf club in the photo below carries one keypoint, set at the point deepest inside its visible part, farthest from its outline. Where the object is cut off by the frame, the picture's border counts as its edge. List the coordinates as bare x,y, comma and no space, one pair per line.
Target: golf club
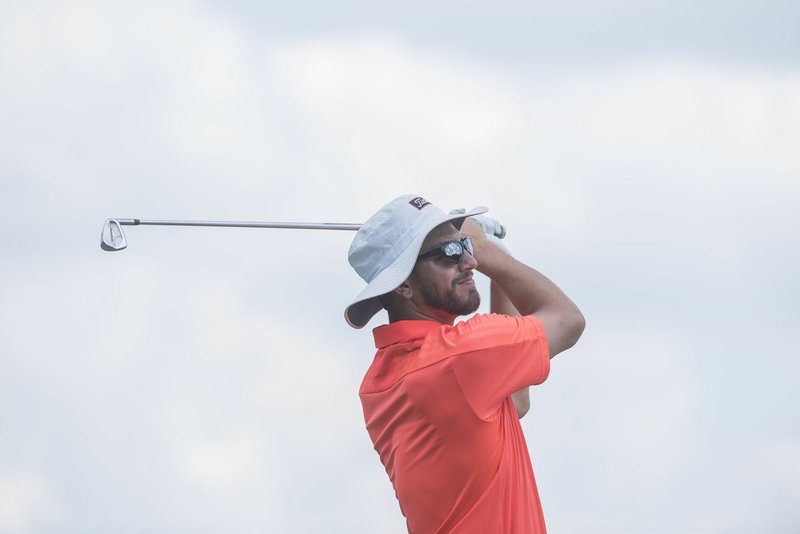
112,238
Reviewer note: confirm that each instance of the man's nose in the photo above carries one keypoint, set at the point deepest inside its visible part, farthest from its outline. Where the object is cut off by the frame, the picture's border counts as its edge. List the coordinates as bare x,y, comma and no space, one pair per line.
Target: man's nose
468,262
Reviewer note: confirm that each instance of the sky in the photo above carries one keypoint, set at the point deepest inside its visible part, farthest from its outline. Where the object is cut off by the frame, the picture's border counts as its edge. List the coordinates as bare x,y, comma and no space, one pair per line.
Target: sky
642,155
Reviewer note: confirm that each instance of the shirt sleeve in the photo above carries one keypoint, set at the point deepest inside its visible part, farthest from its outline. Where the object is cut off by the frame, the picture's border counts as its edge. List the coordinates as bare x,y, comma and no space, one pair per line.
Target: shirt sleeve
498,355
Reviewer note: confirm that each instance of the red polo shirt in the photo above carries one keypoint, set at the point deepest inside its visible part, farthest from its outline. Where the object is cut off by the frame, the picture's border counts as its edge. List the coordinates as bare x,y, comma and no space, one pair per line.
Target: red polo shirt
437,407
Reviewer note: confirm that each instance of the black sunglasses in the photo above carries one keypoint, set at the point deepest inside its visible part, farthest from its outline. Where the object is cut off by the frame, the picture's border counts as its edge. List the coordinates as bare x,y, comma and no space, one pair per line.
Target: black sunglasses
452,250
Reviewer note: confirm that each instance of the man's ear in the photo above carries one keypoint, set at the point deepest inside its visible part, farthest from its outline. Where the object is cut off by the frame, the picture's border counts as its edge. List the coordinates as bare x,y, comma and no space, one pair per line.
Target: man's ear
404,291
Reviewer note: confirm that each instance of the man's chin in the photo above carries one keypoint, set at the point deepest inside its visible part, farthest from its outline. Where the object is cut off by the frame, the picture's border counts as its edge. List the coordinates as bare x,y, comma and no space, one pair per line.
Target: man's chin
454,303
472,303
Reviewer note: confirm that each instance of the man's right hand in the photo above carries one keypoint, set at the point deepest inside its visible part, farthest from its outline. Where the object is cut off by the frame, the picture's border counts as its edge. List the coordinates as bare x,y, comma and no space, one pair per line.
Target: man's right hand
482,230
473,229
492,227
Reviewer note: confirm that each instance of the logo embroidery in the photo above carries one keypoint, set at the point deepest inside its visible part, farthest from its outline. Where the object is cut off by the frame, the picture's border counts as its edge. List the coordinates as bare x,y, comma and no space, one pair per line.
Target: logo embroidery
419,202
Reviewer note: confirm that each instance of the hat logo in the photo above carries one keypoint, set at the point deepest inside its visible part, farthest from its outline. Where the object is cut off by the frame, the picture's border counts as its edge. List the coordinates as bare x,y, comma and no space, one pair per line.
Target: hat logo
419,202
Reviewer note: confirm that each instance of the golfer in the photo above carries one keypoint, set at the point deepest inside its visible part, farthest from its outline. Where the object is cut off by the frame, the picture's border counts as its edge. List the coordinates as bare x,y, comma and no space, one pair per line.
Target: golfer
442,401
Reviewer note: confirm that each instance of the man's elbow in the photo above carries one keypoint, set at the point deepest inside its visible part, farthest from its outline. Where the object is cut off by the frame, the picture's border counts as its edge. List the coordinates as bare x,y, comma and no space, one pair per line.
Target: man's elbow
563,328
522,406
522,401
580,324
576,324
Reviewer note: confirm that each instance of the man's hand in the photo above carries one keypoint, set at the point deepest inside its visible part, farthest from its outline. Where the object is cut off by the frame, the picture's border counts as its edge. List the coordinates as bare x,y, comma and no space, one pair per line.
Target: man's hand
492,227
473,229
481,246
487,246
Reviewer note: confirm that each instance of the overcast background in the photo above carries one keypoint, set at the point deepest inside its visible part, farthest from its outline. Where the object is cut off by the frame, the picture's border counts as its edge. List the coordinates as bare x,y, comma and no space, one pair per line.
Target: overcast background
644,155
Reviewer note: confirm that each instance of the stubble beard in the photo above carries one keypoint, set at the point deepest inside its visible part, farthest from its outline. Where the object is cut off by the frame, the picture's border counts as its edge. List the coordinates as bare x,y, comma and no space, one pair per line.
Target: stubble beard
449,300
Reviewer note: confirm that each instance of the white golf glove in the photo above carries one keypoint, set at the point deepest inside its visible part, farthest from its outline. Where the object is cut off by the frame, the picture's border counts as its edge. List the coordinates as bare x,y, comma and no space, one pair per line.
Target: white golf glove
492,227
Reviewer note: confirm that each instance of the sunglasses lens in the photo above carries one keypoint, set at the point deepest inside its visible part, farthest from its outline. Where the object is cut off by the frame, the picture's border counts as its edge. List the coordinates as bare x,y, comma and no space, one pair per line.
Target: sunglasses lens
452,251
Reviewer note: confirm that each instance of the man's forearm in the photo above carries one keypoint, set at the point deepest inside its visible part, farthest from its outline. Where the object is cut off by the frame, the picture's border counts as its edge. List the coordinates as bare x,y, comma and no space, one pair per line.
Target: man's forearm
528,290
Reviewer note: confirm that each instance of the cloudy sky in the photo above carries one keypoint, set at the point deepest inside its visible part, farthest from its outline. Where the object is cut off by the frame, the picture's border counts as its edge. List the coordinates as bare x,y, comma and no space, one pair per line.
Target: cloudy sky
643,155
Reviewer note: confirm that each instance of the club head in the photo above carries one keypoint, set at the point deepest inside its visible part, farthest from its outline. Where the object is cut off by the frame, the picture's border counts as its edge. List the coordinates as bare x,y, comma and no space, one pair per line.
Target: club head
112,238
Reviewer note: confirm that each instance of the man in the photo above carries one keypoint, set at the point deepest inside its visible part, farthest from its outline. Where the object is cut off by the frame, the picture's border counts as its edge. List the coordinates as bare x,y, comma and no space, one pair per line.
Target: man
442,401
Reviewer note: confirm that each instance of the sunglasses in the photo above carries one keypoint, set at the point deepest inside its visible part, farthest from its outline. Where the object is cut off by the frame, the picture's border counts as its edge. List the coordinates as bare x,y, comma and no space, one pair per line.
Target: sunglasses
452,250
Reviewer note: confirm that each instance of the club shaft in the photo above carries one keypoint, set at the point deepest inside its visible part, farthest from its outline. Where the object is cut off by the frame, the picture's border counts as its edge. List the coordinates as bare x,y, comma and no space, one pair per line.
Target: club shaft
243,224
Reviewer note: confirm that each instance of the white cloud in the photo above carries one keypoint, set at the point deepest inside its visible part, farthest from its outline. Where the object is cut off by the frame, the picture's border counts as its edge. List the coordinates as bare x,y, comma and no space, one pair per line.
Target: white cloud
375,84
25,502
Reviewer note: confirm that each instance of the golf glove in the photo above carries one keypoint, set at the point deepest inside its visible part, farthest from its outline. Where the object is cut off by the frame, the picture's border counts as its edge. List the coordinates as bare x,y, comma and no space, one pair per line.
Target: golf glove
492,227
494,230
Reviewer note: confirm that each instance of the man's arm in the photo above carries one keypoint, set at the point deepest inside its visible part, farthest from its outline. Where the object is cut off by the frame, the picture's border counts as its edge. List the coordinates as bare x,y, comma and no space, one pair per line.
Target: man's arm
529,291
500,303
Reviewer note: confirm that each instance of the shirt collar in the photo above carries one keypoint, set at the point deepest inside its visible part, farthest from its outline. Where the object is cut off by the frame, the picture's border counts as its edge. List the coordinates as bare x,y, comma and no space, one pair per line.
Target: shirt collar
402,331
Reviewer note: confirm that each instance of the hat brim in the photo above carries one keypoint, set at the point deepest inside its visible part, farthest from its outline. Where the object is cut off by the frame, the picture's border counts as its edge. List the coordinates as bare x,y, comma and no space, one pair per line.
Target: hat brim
366,304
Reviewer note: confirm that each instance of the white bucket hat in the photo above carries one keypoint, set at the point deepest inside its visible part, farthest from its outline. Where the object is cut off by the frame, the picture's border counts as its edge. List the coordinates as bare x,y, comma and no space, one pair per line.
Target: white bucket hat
386,247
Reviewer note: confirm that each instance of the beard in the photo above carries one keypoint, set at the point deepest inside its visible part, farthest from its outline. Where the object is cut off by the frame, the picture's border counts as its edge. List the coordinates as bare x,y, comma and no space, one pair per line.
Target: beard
448,299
